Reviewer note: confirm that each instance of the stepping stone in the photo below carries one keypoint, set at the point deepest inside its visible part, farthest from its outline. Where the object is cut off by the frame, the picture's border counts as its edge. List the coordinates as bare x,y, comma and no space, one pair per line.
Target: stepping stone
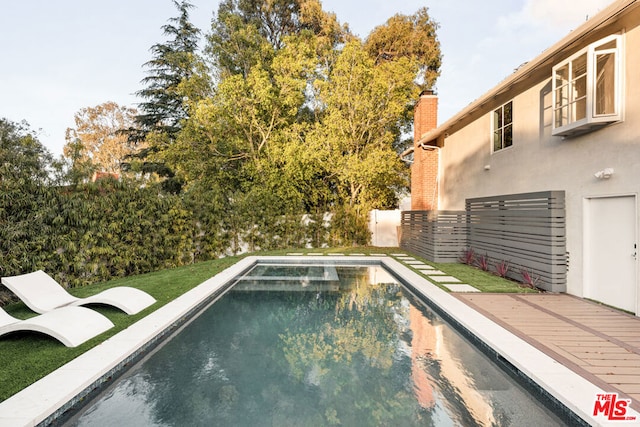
444,279
356,254
315,254
379,255
398,255
295,253
424,267
415,262
461,288
434,273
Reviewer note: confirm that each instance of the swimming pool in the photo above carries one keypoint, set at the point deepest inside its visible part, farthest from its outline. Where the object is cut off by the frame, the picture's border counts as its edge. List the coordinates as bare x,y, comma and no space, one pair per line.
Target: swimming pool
48,400
320,344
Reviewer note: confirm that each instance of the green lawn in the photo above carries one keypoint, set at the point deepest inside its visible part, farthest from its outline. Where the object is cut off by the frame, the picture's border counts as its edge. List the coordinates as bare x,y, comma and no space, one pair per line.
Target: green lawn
25,358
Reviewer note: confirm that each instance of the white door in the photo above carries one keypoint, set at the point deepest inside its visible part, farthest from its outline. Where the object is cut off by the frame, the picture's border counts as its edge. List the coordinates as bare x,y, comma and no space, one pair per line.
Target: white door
611,251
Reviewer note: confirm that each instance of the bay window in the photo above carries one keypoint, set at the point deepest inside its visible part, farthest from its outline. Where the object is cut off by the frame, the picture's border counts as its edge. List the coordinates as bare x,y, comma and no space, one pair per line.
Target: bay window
587,88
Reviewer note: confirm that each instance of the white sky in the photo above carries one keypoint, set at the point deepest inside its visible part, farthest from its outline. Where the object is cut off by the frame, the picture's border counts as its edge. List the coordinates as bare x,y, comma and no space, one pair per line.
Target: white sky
60,56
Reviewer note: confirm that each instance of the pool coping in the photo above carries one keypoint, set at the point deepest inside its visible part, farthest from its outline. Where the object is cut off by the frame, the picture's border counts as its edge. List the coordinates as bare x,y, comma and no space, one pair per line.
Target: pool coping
49,397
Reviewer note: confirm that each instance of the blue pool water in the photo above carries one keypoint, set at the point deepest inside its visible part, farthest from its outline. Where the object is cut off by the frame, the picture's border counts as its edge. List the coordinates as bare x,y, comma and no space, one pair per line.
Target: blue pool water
316,346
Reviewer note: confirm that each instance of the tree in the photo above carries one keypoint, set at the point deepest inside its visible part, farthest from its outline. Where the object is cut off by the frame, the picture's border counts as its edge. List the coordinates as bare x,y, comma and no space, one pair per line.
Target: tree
236,142
98,142
177,79
305,118
409,36
247,33
365,104
173,63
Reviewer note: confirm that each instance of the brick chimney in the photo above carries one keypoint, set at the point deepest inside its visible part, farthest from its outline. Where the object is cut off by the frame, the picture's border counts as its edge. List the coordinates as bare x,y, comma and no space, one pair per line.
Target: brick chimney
424,171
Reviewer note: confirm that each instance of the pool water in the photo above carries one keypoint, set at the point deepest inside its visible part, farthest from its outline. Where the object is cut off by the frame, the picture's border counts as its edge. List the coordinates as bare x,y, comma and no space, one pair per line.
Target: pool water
325,346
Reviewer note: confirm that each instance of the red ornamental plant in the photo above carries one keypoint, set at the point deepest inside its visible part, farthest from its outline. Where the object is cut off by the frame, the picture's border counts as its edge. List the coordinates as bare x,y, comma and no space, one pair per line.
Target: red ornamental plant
468,256
528,279
483,262
502,268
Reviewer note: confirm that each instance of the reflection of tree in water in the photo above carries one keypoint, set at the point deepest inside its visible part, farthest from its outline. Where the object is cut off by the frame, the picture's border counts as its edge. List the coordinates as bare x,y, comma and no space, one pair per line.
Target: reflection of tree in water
341,358
353,358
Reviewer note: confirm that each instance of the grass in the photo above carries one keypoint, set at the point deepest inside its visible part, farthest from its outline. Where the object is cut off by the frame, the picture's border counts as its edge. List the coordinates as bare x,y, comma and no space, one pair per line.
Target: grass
27,357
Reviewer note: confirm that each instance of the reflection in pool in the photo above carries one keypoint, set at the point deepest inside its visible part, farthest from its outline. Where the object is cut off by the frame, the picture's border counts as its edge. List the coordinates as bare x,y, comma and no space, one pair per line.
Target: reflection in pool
325,346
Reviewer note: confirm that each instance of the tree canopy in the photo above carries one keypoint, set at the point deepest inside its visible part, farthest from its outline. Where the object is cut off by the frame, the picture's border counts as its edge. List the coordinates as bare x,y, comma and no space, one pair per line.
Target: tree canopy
98,143
174,63
282,130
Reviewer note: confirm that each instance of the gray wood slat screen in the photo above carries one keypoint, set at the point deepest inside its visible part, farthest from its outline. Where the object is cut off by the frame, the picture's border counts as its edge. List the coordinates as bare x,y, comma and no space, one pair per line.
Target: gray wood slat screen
527,230
438,236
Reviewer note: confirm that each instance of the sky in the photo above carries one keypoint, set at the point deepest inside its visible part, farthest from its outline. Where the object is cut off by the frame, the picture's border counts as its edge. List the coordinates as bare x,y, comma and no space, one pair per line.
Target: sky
61,56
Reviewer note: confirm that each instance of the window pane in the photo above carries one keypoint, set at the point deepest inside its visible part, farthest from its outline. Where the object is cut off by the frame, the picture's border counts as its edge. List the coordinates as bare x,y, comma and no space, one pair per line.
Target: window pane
562,75
579,67
497,119
497,140
580,88
561,117
508,136
561,96
508,113
609,45
580,109
605,84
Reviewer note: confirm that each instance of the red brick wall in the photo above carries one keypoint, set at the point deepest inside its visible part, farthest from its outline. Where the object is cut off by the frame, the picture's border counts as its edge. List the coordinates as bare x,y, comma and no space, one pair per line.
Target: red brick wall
424,171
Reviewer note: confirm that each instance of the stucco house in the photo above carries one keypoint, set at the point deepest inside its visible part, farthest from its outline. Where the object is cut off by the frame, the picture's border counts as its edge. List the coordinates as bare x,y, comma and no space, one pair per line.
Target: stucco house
556,148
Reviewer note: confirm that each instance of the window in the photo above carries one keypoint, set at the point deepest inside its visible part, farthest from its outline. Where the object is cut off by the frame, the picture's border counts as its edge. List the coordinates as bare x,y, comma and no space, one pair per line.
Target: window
503,127
586,88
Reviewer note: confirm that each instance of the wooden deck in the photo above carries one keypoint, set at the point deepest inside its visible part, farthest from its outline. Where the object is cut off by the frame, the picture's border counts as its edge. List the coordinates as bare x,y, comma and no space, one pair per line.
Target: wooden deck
596,342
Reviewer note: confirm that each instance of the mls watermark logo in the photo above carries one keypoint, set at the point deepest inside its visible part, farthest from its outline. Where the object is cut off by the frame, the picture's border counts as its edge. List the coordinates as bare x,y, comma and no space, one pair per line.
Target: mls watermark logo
611,407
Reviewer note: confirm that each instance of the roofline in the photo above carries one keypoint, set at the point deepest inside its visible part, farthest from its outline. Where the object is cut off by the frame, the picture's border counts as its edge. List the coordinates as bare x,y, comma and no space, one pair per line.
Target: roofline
612,11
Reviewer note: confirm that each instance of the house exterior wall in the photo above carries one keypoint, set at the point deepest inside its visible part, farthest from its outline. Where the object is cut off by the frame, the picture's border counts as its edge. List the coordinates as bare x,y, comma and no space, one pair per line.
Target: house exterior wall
538,161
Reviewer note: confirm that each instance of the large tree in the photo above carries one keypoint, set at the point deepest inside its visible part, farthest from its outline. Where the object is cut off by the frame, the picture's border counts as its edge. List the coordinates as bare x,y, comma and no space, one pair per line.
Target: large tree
409,36
177,78
174,62
305,118
247,33
364,105
98,143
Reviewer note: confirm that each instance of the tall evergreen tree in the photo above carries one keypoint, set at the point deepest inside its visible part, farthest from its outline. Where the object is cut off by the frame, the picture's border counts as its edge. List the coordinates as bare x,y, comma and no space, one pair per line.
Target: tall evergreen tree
173,63
177,78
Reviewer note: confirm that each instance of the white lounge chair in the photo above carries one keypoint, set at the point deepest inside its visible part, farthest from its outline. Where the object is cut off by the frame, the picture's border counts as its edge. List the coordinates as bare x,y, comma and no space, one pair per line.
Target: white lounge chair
70,325
41,293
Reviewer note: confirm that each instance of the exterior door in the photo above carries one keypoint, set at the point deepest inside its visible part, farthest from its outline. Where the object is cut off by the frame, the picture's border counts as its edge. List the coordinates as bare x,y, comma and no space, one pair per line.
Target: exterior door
611,251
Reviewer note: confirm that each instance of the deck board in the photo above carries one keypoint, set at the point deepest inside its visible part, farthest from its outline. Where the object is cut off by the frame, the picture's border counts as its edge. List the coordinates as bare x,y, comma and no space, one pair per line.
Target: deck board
597,342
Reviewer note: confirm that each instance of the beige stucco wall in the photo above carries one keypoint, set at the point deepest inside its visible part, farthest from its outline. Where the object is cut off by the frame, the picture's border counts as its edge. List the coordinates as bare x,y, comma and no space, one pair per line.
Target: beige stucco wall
538,161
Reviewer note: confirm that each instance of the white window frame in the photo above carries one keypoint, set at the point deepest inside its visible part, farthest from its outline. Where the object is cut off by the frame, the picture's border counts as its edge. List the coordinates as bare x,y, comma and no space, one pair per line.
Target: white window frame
500,127
564,108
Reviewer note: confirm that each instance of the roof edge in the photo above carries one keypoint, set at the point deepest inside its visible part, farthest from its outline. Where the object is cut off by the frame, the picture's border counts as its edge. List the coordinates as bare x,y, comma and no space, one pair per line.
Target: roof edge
612,11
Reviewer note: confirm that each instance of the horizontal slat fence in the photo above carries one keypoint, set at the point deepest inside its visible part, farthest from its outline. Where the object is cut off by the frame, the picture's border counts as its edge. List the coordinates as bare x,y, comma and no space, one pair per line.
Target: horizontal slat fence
439,236
526,230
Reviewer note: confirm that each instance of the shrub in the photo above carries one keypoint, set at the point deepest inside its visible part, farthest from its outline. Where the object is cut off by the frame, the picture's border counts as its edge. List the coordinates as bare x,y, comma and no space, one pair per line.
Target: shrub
528,279
483,262
502,268
468,256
